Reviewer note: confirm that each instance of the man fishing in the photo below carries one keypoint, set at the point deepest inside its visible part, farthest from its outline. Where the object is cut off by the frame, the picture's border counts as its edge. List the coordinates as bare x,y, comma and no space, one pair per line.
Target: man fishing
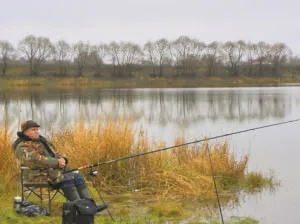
45,164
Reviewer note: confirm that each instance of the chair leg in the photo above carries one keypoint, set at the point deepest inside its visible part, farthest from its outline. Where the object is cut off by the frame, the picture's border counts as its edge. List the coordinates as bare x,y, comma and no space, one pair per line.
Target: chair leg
38,191
41,193
22,186
49,200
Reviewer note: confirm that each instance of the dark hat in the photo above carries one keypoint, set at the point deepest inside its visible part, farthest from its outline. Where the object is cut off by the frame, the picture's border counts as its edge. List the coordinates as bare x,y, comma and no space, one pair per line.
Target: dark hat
28,124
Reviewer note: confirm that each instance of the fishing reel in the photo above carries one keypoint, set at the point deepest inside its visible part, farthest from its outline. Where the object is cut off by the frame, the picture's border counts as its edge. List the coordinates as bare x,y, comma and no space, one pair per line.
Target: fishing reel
93,173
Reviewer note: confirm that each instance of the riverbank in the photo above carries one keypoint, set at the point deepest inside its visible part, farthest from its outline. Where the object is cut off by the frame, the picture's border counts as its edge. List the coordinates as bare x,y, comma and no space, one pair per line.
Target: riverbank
153,189
126,209
17,82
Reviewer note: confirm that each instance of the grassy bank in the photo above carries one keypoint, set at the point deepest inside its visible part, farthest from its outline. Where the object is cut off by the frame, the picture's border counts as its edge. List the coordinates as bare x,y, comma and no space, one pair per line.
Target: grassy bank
160,185
141,82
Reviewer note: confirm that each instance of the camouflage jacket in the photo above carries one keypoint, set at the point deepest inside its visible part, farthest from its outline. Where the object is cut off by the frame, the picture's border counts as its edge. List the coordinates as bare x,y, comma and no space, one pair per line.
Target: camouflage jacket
41,159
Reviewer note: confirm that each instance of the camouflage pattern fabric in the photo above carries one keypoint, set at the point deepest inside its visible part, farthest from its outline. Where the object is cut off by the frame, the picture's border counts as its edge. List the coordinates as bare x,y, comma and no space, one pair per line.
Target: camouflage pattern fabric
41,159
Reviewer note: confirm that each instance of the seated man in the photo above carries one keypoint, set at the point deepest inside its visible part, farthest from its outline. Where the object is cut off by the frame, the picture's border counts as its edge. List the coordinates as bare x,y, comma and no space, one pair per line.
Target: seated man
35,151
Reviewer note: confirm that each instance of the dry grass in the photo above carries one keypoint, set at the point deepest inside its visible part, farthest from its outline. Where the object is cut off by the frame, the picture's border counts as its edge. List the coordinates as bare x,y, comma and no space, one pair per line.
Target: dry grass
25,82
8,166
184,171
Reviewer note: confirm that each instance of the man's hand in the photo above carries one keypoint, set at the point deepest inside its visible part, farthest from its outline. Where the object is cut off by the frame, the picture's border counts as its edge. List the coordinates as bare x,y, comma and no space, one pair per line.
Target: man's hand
61,162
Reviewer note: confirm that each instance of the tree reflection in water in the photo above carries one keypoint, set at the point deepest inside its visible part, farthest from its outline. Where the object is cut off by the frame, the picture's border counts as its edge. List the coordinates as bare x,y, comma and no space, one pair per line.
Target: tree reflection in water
181,107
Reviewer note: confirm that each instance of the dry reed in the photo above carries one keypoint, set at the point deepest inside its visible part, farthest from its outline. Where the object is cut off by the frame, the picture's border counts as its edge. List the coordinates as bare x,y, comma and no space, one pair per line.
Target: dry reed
180,172
8,165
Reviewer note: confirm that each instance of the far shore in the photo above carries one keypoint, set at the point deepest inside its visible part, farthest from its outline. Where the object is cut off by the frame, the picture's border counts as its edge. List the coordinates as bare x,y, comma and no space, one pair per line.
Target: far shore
8,83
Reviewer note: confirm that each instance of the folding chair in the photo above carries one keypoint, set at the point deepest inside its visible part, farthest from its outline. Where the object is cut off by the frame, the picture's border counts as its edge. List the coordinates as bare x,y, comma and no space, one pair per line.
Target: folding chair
36,188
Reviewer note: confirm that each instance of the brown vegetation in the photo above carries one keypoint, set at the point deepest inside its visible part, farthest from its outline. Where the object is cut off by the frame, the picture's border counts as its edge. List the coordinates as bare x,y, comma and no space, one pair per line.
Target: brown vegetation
182,172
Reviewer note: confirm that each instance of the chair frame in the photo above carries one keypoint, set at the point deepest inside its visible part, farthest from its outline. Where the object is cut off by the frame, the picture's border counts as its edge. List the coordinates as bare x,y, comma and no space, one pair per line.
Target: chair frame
29,188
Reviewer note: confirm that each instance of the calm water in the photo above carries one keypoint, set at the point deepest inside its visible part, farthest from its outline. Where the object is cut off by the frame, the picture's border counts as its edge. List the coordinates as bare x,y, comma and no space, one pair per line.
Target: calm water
192,113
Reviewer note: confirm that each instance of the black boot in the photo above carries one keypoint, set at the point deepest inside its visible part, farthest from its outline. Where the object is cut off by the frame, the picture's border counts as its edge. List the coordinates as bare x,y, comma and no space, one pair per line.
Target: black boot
83,191
71,193
101,207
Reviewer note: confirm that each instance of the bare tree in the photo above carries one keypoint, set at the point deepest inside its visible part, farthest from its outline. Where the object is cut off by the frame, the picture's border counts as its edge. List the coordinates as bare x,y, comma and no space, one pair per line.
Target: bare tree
162,46
251,50
157,53
151,55
212,56
124,56
36,50
234,52
6,51
181,48
28,48
81,53
132,58
262,53
188,53
278,55
97,55
114,51
62,54
45,50
174,57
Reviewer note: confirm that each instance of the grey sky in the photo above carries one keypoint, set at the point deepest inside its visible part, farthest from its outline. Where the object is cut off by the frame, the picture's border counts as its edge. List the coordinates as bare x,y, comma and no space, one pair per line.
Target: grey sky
139,21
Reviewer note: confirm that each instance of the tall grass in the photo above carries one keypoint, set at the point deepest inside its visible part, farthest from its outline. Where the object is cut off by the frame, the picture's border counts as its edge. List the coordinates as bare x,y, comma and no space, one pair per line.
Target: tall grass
184,172
181,172
8,165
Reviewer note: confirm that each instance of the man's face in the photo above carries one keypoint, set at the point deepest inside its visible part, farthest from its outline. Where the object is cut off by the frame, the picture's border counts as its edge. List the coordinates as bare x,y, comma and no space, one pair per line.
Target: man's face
32,133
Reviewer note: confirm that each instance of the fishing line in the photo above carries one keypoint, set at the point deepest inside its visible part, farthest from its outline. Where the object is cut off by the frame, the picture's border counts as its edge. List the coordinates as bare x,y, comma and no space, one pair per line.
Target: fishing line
180,145
185,144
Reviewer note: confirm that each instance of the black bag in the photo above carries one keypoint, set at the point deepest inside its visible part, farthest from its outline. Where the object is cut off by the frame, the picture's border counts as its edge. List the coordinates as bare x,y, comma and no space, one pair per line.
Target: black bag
81,211
31,210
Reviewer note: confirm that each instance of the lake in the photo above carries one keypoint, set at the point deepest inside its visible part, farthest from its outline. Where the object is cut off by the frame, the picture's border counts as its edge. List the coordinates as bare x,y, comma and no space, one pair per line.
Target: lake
192,113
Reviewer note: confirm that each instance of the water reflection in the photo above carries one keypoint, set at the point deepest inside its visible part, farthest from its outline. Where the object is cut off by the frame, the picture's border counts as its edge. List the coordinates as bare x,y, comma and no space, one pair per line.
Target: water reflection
180,107
194,112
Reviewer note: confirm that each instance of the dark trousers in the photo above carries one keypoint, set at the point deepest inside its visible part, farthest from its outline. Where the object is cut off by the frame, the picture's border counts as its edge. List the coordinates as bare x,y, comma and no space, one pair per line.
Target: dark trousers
70,180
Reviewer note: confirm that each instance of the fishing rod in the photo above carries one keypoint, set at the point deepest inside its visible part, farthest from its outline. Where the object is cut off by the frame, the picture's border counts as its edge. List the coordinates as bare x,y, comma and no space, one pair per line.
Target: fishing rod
177,146
214,180
206,139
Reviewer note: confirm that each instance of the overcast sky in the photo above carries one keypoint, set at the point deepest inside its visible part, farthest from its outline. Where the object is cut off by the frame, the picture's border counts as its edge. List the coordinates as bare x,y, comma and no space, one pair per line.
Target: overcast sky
139,20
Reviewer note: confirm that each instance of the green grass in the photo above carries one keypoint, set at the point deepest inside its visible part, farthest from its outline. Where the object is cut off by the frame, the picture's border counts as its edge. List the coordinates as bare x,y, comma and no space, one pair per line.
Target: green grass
130,209
255,181
156,215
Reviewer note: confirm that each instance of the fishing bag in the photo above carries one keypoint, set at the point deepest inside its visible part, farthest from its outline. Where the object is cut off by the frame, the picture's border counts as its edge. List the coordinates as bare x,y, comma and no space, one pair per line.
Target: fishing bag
30,209
81,211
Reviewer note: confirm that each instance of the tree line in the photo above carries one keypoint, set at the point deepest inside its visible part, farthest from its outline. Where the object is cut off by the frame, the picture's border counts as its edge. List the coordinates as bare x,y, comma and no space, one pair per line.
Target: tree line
182,57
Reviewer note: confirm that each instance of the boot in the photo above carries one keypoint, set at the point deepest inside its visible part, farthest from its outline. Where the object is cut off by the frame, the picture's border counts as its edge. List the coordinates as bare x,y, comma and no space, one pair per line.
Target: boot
71,193
83,191
101,207
85,194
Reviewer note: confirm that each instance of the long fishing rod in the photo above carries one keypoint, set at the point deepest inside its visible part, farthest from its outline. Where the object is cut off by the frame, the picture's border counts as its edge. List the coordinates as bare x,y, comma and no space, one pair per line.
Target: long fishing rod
214,180
176,146
180,145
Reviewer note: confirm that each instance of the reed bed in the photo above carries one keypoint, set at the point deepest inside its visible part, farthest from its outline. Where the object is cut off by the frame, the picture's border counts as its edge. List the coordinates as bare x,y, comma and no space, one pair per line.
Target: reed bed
8,166
180,173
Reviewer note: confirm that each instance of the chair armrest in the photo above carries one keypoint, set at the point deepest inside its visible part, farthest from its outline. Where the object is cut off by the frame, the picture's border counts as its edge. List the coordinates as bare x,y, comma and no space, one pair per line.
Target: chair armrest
24,168
27,168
